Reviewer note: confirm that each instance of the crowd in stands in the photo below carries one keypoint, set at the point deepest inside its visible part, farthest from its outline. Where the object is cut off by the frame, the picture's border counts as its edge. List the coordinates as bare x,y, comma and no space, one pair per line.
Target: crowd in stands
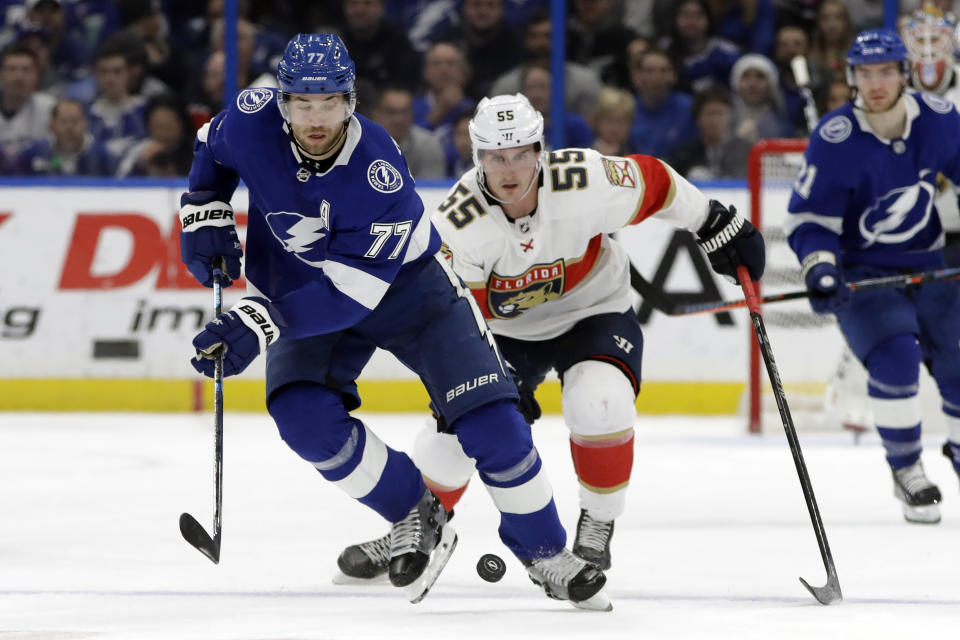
119,87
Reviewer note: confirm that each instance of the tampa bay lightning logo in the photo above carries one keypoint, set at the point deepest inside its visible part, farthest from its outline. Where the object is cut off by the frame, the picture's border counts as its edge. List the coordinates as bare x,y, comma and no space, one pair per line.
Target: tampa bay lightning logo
252,100
836,129
302,235
898,215
383,177
937,103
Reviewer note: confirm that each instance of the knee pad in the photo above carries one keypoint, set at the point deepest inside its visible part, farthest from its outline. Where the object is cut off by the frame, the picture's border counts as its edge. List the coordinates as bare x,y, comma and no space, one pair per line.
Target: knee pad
597,399
894,367
441,459
313,422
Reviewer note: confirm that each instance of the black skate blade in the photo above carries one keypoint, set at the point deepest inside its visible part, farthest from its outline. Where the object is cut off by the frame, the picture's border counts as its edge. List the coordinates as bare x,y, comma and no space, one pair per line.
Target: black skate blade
419,588
826,594
194,533
599,601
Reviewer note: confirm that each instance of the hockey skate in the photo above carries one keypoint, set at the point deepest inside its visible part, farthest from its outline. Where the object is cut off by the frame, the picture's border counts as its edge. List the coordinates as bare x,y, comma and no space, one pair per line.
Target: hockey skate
564,576
593,540
920,497
420,546
364,563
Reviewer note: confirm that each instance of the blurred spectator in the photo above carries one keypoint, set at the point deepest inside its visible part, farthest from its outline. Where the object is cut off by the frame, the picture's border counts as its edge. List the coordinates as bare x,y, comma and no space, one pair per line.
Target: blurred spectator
381,51
758,109
116,117
168,148
491,44
793,42
68,54
445,73
701,58
802,13
612,118
253,69
70,150
24,112
143,21
49,80
394,111
836,94
832,38
581,84
717,153
639,16
662,121
206,99
92,21
459,152
535,83
749,24
596,39
865,14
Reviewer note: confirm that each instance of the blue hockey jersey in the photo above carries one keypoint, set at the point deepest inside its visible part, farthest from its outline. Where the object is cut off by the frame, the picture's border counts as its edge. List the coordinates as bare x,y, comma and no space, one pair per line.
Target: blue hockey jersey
323,248
870,200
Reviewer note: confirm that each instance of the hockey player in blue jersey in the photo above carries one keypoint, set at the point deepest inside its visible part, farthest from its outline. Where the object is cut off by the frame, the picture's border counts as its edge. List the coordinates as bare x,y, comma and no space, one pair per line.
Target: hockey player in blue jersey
341,259
863,207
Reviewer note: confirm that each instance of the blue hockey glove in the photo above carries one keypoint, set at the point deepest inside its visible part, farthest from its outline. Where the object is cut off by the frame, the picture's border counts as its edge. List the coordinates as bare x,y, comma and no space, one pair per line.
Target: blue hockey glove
731,240
828,292
241,334
209,234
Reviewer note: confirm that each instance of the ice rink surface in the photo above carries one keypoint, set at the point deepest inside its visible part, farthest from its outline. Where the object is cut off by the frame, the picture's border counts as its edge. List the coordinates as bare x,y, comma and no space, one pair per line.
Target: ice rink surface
714,539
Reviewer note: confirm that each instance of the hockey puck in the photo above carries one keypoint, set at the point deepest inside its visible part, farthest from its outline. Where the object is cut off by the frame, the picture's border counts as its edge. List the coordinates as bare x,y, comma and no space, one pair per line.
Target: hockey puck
491,568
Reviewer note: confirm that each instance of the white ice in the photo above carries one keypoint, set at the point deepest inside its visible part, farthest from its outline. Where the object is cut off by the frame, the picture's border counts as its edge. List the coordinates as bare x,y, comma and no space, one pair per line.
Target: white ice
714,539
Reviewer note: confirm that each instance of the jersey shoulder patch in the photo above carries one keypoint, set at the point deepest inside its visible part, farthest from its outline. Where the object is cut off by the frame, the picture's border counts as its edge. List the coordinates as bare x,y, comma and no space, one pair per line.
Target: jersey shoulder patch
252,100
938,104
620,172
836,129
384,177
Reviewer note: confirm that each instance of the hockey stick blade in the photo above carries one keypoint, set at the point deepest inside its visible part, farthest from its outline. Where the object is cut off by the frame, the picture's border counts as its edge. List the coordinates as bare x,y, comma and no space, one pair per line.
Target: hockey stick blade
828,593
194,533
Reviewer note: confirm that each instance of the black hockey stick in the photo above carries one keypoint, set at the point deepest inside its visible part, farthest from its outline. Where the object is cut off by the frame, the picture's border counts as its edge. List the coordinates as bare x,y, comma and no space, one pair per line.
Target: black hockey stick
830,592
660,301
192,531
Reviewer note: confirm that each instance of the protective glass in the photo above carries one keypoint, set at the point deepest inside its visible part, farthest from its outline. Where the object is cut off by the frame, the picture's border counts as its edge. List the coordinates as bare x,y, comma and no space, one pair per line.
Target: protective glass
316,110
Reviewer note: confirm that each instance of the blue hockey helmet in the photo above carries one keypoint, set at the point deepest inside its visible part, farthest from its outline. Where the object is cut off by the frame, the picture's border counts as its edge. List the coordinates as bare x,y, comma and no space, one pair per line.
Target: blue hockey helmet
876,45
316,63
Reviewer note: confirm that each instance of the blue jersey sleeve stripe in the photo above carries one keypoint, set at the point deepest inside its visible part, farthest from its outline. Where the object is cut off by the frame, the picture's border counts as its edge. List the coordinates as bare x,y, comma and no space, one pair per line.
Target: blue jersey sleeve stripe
366,289
419,239
794,220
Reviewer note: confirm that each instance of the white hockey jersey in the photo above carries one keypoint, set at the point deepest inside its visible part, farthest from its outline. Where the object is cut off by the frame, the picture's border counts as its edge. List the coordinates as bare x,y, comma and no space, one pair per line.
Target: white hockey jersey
535,277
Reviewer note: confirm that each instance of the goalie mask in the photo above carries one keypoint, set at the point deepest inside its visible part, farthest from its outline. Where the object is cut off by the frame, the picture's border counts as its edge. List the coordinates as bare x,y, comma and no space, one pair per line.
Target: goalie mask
930,37
506,122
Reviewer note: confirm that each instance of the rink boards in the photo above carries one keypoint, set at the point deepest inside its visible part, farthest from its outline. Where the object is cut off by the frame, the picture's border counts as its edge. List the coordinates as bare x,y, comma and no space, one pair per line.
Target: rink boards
97,312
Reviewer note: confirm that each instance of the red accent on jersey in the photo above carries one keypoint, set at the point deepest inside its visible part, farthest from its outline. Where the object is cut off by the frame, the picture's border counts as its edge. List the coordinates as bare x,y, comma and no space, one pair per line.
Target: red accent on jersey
449,497
620,364
600,465
579,270
656,186
480,295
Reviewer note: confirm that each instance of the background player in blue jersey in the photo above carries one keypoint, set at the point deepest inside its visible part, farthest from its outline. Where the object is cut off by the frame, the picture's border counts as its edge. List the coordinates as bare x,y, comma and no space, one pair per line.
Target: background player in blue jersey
341,260
863,207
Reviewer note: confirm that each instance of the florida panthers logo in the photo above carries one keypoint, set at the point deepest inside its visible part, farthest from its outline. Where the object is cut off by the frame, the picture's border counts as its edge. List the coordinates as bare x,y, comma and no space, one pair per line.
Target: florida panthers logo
301,235
508,297
900,214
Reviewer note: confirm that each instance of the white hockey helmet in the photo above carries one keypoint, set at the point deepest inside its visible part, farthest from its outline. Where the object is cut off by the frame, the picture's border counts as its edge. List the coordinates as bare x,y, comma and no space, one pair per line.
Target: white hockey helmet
504,122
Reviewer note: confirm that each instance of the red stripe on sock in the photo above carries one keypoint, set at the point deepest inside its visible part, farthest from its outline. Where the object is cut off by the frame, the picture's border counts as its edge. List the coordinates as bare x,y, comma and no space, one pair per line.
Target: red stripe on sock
602,464
449,497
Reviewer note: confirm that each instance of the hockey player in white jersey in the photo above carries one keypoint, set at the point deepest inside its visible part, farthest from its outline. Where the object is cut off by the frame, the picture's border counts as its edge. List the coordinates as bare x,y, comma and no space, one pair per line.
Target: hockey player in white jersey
528,232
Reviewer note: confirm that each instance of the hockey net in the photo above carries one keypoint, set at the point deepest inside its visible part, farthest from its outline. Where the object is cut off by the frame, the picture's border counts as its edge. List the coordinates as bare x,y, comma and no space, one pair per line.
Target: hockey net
807,347
824,383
